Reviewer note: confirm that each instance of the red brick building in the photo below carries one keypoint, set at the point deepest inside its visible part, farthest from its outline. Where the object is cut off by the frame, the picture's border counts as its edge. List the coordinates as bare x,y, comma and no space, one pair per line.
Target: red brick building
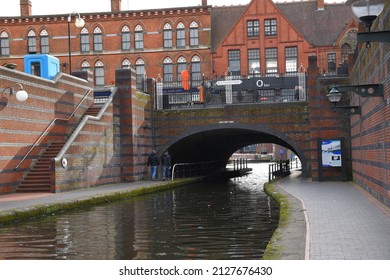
259,38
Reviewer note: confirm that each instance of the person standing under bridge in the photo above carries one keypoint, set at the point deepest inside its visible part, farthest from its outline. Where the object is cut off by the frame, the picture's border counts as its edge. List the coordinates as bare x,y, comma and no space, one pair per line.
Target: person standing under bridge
153,162
166,166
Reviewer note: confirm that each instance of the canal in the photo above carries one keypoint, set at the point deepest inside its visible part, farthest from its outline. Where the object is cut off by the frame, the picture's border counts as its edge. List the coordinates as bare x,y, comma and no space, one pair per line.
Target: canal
230,220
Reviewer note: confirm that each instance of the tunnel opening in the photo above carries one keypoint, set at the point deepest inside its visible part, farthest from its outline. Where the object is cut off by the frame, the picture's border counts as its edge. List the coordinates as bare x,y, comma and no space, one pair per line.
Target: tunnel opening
217,143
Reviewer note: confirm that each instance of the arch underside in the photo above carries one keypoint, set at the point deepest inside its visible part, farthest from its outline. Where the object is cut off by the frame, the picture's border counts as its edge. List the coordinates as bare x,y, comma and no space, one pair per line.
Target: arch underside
219,142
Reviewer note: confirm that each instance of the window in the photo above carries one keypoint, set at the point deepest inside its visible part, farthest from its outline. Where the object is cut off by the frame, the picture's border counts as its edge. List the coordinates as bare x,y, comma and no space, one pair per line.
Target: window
139,38
84,40
180,36
196,72
4,44
234,62
271,60
270,27
44,41
97,40
168,36
85,66
168,70
194,34
126,64
254,62
346,49
291,59
331,63
31,42
252,28
181,65
99,73
140,73
125,38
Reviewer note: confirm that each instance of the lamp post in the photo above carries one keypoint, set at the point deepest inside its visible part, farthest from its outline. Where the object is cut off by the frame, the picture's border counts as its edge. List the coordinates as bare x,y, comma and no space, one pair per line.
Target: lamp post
367,11
79,22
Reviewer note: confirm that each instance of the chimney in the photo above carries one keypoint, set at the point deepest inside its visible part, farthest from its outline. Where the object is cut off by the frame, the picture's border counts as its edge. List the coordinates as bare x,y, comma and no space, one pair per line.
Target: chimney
204,3
116,5
320,5
25,8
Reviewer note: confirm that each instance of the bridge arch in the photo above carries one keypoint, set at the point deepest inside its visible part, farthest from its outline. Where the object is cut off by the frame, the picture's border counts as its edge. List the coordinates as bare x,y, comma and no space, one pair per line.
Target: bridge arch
217,142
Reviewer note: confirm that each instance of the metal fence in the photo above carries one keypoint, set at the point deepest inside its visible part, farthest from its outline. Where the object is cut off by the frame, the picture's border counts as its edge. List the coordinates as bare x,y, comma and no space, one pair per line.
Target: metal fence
231,90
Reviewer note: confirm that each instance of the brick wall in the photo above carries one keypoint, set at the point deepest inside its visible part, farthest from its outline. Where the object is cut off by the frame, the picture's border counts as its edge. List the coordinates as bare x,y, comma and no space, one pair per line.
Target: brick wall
371,133
21,124
326,124
113,148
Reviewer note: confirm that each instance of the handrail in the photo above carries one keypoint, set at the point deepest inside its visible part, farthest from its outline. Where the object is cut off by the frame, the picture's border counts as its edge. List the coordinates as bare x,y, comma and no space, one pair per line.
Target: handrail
82,124
189,164
49,126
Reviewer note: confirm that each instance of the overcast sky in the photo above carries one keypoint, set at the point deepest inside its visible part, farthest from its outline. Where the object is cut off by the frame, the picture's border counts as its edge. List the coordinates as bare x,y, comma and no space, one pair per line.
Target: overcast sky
47,7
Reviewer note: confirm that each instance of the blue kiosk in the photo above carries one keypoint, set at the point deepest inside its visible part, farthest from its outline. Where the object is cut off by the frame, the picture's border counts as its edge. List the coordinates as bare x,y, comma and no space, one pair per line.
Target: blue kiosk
41,65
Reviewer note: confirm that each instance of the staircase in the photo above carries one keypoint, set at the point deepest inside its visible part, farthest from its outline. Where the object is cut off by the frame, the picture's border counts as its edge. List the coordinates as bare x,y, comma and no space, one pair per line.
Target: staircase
38,178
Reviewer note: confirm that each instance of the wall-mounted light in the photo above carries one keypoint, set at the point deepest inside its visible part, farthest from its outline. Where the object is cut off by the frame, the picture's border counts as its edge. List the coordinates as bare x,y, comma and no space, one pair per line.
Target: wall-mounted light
369,90
367,11
21,94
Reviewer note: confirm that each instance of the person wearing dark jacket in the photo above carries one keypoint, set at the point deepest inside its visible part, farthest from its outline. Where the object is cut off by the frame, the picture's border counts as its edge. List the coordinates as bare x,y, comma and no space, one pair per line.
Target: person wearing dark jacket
166,166
153,162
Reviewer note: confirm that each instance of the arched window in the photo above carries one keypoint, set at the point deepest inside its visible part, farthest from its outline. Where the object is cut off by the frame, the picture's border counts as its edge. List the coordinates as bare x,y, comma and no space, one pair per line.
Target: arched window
99,73
44,39
85,66
140,73
125,38
138,38
126,64
168,37
180,35
194,34
84,40
4,44
168,70
31,42
196,72
346,49
97,40
181,65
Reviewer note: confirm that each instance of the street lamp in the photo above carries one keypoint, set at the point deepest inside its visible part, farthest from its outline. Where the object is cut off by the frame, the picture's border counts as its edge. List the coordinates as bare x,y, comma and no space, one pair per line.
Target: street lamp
367,11
369,90
79,22
21,95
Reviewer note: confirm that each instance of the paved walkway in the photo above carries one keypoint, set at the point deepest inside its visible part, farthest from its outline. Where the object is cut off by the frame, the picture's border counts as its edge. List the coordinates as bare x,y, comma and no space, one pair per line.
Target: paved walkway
343,222
340,220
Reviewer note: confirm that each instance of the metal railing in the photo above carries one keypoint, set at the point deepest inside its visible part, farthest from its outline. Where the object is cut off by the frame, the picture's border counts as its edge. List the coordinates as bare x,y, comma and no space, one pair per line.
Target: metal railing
49,127
231,90
193,169
278,170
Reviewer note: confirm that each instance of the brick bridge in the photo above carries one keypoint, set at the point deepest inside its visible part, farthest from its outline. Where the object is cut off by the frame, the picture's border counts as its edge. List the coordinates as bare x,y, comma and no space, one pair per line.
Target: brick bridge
214,134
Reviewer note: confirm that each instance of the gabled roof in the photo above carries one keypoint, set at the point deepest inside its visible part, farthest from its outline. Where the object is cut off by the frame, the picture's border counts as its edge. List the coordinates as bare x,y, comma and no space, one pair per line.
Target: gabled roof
223,20
319,27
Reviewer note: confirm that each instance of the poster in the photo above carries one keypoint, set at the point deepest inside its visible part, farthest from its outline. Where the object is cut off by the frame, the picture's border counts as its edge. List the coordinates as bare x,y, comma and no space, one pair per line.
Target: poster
331,153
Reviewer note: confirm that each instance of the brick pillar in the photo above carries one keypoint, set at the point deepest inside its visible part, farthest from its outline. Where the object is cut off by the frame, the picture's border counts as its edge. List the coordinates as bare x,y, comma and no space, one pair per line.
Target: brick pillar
204,2
320,5
25,8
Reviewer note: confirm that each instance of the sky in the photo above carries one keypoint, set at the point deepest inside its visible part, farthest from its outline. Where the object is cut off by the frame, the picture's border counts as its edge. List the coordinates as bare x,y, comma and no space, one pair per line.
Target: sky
41,7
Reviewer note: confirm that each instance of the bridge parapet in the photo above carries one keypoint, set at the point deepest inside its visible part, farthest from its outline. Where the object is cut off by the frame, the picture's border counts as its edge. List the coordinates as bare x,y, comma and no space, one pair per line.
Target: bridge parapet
216,93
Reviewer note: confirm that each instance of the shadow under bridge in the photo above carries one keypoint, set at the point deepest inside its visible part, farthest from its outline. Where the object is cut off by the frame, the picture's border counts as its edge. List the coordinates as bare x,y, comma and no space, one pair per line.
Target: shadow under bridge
217,142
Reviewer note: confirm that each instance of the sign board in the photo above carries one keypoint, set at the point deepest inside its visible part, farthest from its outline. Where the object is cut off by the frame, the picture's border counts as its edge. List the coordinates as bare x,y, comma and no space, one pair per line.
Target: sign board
228,82
331,153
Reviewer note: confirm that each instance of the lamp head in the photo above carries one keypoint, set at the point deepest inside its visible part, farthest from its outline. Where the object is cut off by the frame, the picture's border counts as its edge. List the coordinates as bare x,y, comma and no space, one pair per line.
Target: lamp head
367,11
334,95
79,22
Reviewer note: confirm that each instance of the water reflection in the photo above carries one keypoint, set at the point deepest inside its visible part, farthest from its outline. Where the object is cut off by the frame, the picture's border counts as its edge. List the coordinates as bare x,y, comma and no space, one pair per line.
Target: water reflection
234,220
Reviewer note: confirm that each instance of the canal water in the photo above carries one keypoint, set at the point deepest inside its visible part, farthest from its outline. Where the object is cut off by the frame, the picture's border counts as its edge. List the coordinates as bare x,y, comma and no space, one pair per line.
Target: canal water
231,220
